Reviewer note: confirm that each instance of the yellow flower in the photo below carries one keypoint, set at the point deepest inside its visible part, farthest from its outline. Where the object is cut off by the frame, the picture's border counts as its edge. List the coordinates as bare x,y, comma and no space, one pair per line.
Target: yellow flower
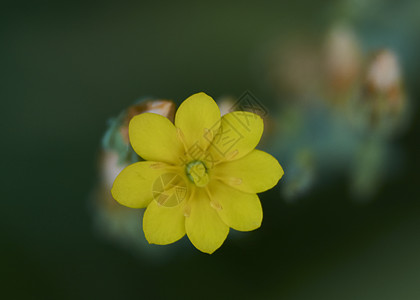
201,174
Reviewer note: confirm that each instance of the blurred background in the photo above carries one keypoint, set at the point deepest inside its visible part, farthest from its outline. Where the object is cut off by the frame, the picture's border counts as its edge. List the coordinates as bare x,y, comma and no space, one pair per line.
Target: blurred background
339,84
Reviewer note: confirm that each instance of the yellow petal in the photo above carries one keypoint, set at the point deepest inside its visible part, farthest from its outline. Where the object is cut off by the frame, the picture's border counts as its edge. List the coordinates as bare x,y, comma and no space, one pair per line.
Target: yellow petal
163,225
154,137
133,187
239,133
204,227
254,173
198,118
241,211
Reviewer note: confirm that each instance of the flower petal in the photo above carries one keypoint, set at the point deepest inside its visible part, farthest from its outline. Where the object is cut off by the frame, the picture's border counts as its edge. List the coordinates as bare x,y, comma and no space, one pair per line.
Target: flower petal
239,133
154,137
254,173
163,225
241,211
198,117
133,186
204,227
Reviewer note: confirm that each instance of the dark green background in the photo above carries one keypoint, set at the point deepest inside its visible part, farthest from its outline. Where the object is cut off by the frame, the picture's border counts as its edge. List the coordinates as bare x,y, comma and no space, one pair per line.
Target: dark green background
67,68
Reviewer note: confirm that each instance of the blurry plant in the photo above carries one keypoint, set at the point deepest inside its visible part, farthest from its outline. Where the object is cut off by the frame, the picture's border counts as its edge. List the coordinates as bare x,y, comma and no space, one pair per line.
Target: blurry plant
341,121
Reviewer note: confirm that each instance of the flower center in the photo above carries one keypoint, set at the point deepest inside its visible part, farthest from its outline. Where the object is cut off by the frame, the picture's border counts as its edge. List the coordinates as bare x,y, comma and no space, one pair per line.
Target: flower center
197,172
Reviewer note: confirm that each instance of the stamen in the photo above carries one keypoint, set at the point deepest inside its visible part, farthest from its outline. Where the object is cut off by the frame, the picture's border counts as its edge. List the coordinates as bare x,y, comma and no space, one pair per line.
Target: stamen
181,137
157,166
187,211
213,202
228,157
209,134
232,155
216,205
160,165
229,180
235,180
187,208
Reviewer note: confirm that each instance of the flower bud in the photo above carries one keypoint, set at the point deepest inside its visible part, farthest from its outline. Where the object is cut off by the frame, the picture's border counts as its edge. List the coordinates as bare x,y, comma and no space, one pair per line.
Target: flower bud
343,62
384,91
